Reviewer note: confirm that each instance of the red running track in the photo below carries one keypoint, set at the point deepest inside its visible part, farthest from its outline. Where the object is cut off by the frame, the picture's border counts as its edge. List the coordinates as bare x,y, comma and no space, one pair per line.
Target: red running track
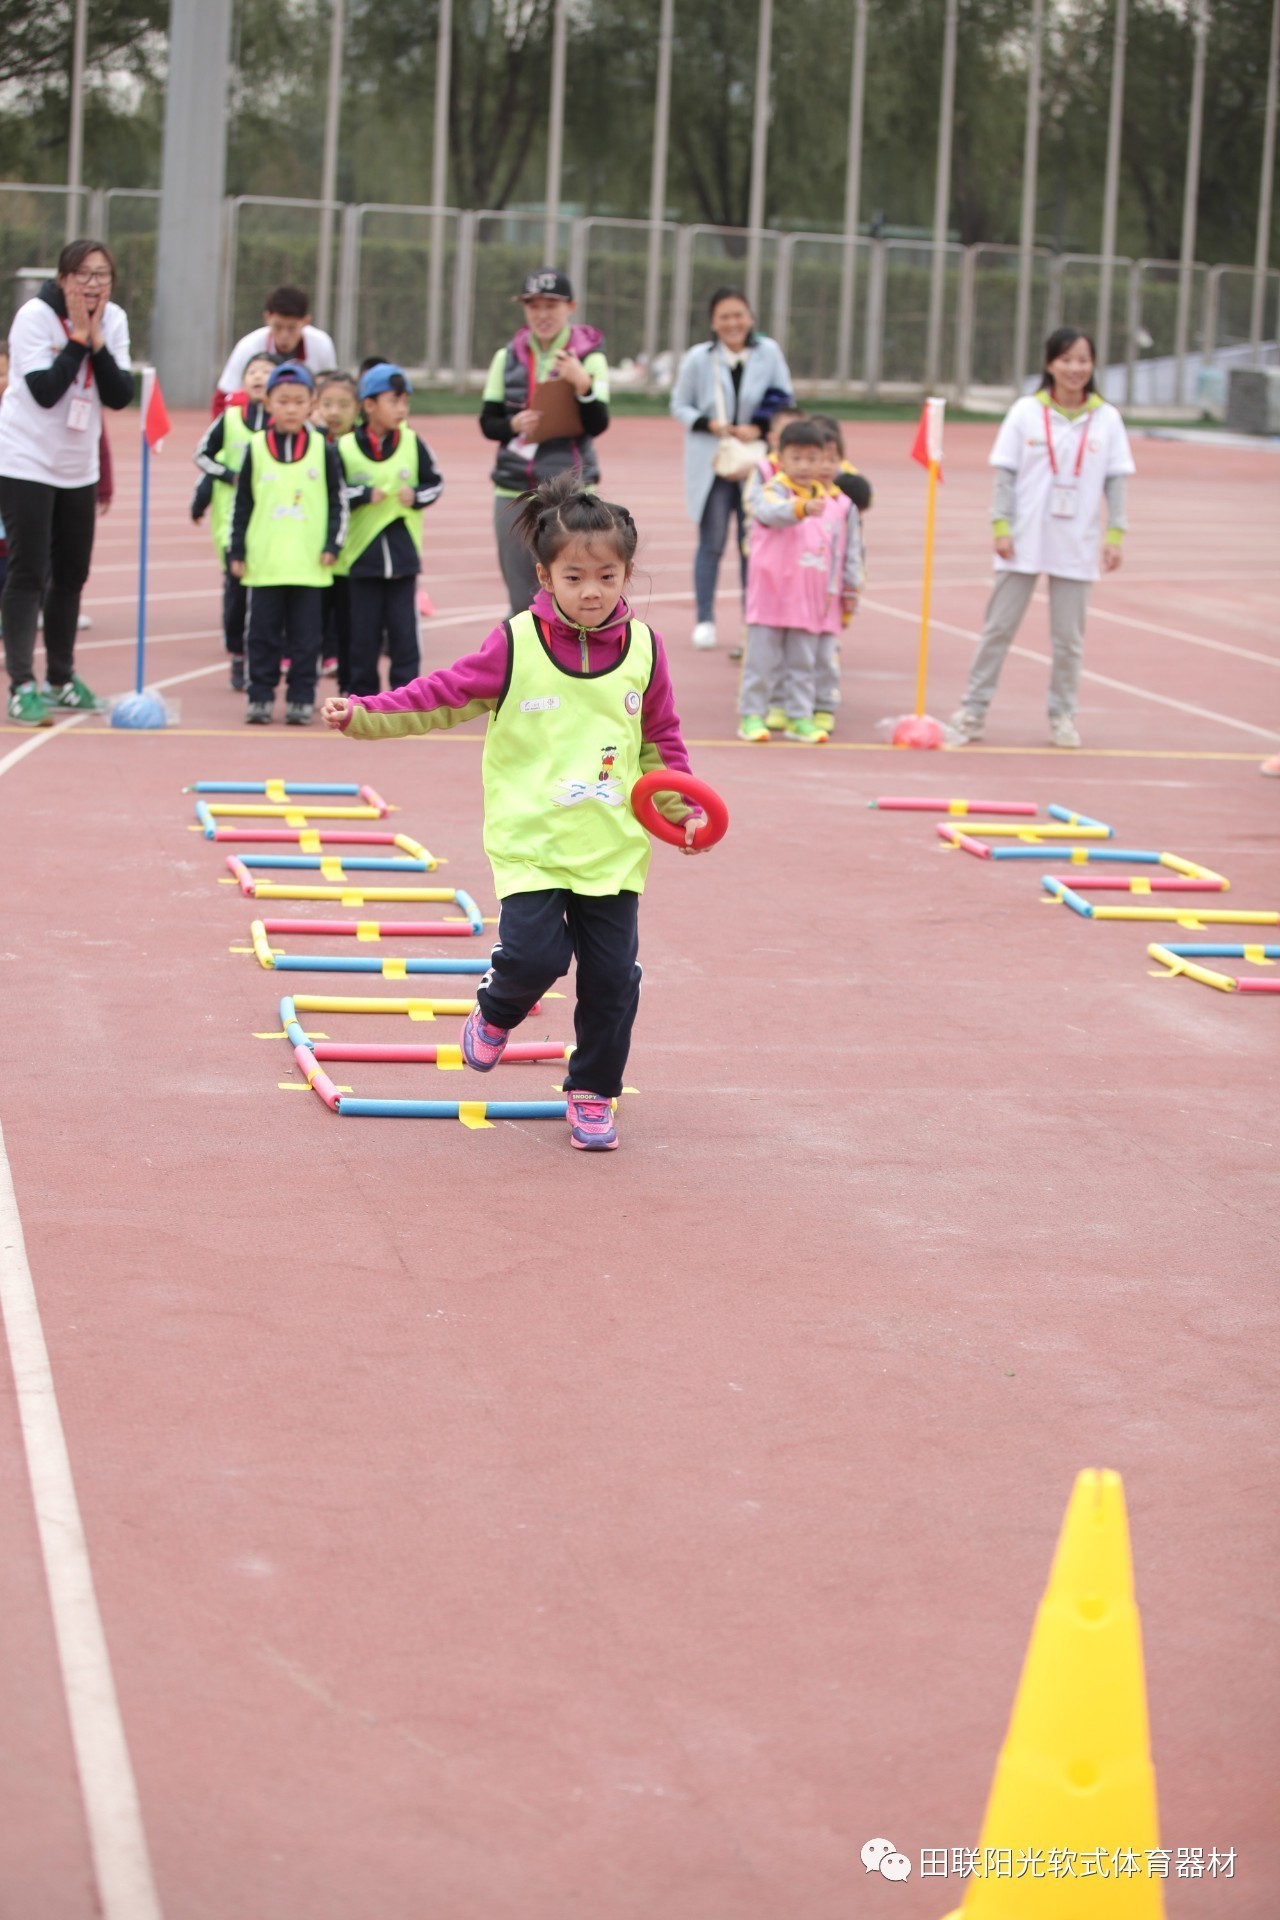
478,1528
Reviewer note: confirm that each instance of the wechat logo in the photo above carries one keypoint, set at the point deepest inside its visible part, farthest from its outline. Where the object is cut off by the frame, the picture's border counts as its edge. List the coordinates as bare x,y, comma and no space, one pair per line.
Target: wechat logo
881,1856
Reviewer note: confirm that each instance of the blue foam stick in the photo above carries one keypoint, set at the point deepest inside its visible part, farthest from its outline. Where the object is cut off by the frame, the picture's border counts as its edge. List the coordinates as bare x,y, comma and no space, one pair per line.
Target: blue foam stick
448,1109
317,860
472,911
1067,897
1070,819
206,820
1220,951
365,963
260,786
1060,850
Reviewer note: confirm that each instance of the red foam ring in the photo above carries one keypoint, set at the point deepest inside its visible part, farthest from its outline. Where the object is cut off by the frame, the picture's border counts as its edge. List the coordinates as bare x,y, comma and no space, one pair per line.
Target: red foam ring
520,1052
1119,883
715,823
1258,986
392,929
910,804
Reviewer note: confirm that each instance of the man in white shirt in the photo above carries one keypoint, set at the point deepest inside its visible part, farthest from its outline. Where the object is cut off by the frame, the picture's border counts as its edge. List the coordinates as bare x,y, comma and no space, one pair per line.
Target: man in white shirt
288,334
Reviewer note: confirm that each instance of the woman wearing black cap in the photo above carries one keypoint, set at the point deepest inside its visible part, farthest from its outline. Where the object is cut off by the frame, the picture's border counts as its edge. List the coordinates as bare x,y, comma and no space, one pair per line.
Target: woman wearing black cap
547,347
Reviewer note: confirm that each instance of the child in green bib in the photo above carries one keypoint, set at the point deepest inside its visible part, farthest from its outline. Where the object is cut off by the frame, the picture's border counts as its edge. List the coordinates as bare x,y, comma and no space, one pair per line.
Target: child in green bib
221,454
577,694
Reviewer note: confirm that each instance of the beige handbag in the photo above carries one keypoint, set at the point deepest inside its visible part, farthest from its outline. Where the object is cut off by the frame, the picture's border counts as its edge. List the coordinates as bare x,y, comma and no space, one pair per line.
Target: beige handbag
733,459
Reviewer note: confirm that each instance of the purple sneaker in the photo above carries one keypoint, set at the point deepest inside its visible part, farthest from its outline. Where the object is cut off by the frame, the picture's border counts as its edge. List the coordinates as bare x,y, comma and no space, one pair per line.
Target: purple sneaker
482,1045
591,1123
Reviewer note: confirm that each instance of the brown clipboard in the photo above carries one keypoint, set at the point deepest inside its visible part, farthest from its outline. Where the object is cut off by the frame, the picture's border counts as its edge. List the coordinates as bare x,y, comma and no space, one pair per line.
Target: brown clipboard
561,419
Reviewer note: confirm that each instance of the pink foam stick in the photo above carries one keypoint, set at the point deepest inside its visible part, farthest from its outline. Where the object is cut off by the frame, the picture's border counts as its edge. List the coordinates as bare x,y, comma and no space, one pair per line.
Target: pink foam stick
319,1082
965,840
292,835
242,874
1120,883
525,1051
372,799
391,929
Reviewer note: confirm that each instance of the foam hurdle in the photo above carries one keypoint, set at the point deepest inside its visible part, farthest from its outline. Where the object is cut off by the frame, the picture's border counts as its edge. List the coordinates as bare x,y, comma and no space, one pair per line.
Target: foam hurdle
1184,916
1177,960
474,1114
292,812
352,893
334,865
280,789
392,967
416,1009
1079,829
308,839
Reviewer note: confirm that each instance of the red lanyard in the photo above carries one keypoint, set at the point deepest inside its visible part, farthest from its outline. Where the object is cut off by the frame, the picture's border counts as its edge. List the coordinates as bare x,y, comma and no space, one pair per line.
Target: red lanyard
88,359
1048,440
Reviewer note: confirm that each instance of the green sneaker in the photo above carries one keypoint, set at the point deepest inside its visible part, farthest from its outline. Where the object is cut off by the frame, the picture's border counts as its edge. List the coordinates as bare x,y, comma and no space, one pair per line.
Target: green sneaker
805,729
28,707
752,727
826,722
74,697
775,720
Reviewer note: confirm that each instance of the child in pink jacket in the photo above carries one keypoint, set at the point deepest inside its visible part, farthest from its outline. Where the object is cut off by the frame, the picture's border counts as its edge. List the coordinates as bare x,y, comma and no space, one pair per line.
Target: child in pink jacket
802,580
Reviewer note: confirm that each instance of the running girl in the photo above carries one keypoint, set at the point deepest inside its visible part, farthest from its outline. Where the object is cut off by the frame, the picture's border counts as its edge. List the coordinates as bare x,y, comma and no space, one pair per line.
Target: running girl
578,695
1058,453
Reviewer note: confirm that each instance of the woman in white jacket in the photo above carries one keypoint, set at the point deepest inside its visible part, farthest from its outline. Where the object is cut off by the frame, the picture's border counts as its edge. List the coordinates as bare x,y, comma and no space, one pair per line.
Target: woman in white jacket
68,358
728,387
1058,454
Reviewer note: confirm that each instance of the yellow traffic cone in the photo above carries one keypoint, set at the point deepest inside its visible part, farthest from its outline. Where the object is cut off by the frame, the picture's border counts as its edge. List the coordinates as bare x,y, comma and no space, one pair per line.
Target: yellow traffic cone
1071,1822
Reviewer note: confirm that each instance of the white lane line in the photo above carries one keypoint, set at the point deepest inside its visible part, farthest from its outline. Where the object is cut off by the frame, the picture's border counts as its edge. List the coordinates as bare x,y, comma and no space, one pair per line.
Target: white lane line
1174,633
122,1868
1099,679
41,738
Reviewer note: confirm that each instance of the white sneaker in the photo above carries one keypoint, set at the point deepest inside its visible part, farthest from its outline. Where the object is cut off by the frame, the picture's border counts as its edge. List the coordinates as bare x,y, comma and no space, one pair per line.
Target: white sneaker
1062,733
83,622
704,635
964,727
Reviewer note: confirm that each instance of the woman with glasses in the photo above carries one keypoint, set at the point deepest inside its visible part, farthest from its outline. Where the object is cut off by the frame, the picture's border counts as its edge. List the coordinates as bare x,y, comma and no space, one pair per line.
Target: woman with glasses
68,358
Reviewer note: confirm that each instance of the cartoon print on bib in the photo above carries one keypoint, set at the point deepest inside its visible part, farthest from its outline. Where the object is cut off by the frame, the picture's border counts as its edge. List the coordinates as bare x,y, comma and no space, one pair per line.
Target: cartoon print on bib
606,787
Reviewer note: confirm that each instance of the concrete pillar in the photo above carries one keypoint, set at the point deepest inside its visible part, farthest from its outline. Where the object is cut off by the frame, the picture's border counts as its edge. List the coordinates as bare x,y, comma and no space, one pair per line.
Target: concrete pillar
184,329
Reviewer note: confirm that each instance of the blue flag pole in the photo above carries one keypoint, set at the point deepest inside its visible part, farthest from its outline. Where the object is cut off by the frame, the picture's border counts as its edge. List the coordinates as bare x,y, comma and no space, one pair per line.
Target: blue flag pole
142,558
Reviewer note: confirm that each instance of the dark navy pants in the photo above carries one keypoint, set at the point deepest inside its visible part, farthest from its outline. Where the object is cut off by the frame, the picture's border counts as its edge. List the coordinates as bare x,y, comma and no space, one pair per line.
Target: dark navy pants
538,935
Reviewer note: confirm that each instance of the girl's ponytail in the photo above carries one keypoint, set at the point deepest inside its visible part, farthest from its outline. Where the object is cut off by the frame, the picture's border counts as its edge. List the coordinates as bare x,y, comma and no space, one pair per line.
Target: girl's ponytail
561,510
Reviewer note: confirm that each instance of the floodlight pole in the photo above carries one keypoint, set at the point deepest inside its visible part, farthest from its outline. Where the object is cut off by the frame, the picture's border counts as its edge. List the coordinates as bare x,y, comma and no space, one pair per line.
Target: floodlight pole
852,194
1030,173
555,139
75,137
1111,189
1262,250
439,184
941,200
658,185
329,168
759,152
1190,194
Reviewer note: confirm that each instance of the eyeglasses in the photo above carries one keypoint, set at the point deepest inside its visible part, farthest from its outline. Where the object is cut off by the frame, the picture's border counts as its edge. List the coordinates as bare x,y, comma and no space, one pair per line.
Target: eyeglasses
92,276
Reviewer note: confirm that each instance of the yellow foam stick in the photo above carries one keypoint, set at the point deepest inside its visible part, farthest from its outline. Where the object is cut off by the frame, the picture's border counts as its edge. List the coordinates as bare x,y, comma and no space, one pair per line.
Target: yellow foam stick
395,969
1191,916
471,1114
309,841
275,790
449,1059
261,945
343,1003
368,930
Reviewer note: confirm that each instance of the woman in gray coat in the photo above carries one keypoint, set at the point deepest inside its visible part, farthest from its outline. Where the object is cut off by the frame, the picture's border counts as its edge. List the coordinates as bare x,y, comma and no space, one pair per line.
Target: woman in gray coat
728,386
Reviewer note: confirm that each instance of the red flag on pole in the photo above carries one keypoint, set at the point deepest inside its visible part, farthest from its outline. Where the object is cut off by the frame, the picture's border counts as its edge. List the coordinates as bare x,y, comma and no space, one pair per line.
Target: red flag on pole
927,445
155,415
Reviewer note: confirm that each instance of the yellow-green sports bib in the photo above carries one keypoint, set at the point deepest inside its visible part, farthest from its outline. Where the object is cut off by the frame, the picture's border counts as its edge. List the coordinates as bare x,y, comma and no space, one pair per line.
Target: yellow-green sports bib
290,517
560,759
235,447
399,469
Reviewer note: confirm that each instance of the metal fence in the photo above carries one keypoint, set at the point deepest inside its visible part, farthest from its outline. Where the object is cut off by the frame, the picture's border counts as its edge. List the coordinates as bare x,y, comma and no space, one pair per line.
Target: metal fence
433,287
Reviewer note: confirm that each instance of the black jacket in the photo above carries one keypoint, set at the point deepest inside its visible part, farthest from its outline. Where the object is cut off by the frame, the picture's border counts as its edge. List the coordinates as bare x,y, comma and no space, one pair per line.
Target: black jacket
48,384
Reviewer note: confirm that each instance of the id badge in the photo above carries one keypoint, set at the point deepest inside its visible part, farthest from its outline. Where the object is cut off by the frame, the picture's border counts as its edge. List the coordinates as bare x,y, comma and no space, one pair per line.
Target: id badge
79,414
1062,501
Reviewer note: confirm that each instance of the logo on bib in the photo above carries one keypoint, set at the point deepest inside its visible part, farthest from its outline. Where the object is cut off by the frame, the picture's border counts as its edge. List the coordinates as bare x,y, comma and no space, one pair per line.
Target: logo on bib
573,792
632,702
544,705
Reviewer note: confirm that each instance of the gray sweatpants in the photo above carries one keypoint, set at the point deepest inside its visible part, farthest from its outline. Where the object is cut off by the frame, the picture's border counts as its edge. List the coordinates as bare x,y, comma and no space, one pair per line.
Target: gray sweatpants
517,563
1010,598
779,665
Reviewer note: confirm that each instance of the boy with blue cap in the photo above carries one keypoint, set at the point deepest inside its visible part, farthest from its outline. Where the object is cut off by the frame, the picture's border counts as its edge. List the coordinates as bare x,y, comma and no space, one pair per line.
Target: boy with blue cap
287,529
390,477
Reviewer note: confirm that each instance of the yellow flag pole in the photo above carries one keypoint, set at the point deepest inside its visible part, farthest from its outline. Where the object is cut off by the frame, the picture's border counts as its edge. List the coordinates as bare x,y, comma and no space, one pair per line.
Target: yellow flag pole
927,590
